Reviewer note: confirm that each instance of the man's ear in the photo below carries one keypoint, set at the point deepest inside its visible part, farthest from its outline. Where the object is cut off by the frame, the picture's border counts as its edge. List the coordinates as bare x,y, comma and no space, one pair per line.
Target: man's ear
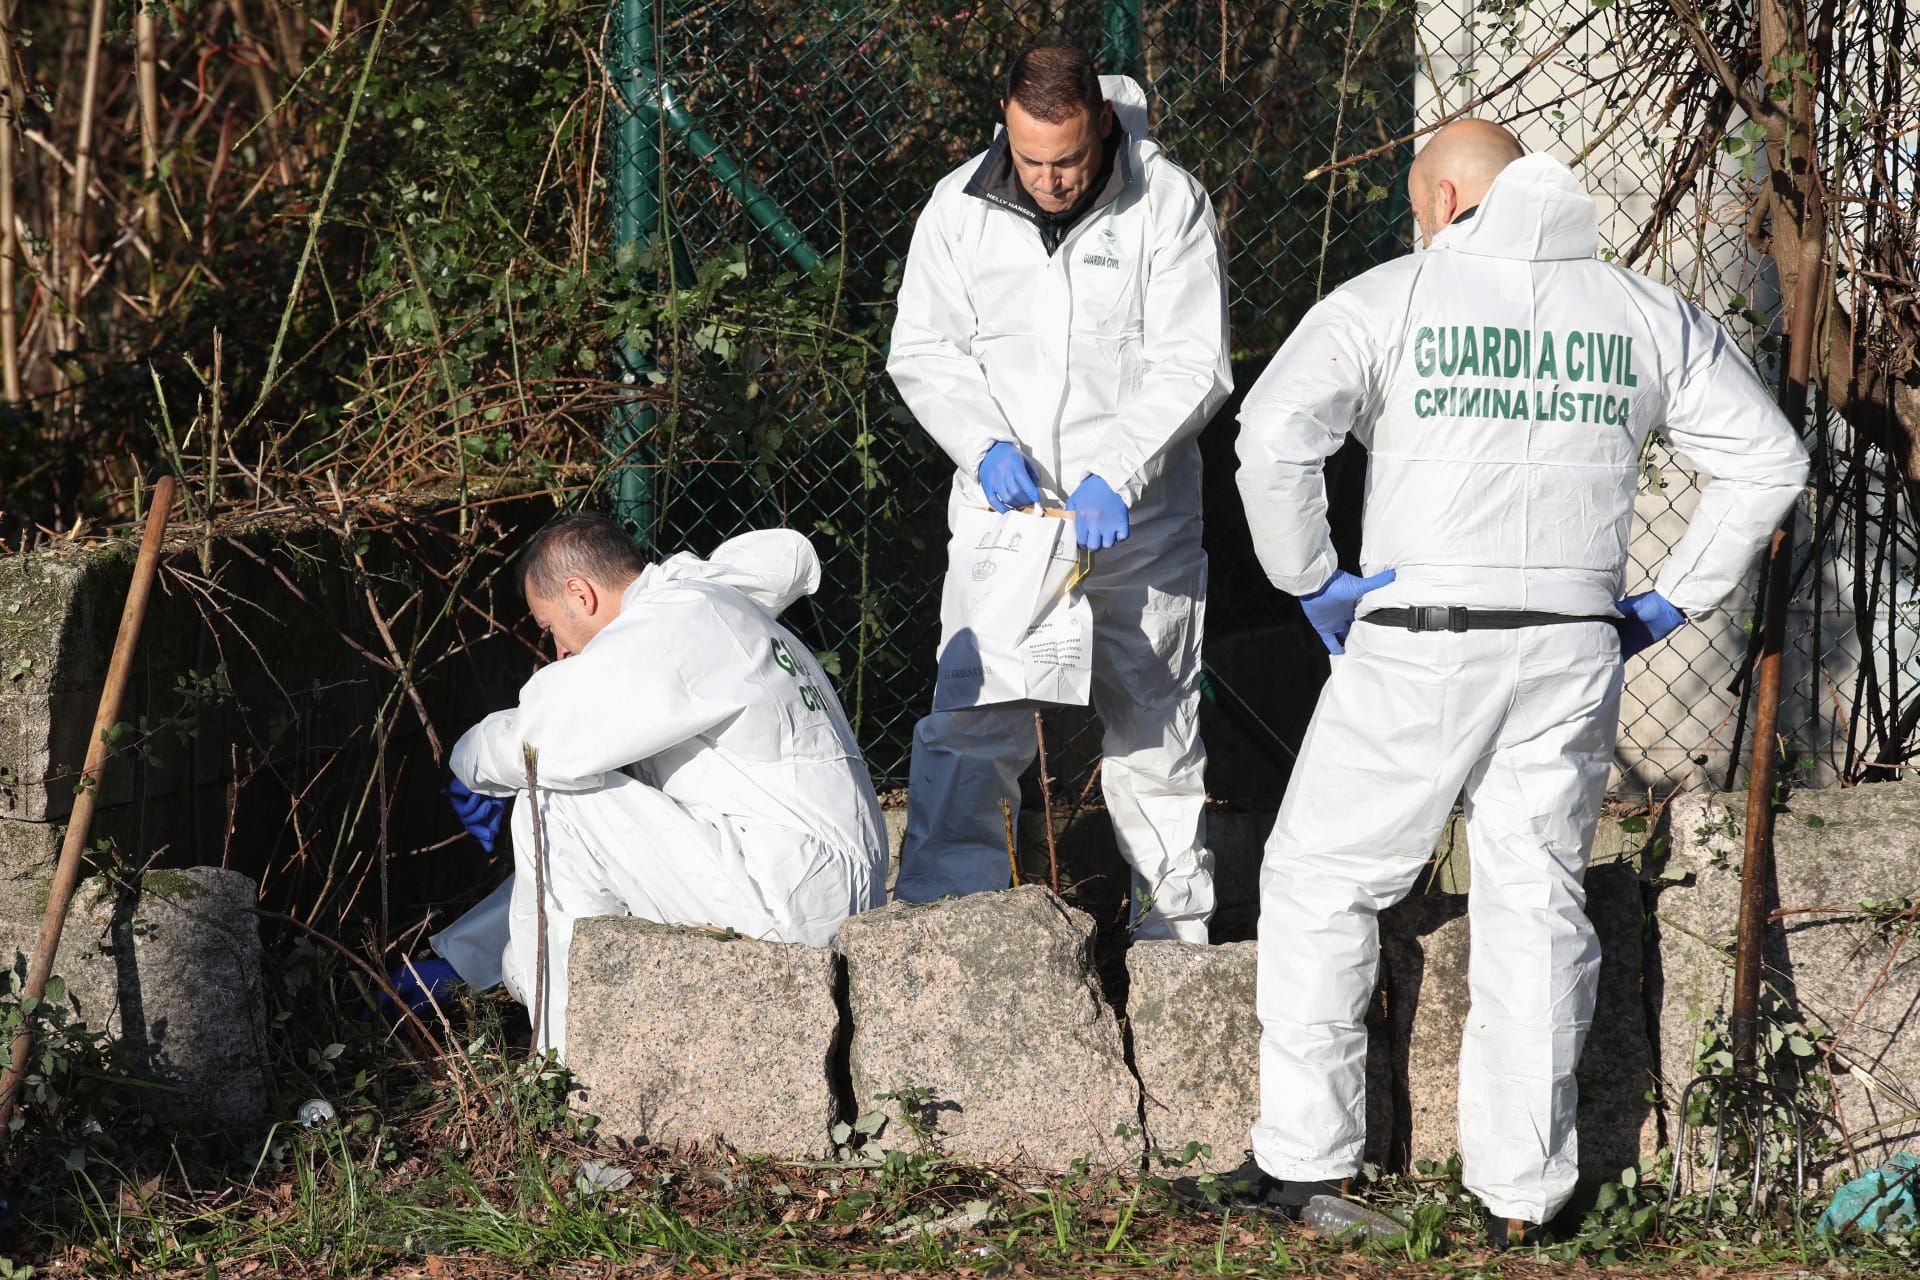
1106,119
584,594
1446,202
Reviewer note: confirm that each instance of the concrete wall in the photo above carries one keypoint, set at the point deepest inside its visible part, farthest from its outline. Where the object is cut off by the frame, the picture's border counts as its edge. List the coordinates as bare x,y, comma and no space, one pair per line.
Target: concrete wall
266,733
983,1005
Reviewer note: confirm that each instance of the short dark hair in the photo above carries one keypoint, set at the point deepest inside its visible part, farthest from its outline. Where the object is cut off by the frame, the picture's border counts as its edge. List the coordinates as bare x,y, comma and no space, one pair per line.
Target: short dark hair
586,546
1054,83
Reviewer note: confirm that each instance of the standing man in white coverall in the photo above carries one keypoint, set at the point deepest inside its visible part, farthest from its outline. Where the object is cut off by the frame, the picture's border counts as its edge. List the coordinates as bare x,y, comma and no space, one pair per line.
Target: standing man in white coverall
1504,382
1062,332
694,764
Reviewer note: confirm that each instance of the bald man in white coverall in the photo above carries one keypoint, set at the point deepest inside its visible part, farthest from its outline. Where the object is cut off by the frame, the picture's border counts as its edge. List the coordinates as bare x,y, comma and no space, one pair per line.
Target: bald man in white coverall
1062,334
695,766
1504,382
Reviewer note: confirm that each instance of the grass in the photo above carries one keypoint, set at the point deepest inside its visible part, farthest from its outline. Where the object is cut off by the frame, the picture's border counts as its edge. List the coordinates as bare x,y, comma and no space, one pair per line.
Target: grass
711,1213
485,1179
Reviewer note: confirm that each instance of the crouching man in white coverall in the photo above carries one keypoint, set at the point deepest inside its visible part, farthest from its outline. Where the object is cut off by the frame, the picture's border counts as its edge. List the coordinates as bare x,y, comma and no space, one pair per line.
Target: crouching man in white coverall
1504,382
694,764
1062,331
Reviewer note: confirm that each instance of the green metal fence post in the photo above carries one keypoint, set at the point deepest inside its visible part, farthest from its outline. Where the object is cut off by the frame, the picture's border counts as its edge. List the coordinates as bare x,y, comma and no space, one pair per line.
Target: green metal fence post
1120,51
636,184
761,207
640,220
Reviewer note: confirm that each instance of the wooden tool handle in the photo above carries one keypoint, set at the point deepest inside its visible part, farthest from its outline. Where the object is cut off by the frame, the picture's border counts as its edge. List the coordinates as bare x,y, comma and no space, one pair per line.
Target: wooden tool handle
1756,867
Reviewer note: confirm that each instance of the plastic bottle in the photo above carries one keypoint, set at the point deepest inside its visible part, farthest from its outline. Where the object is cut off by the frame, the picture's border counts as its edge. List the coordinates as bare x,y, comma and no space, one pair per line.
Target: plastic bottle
1336,1219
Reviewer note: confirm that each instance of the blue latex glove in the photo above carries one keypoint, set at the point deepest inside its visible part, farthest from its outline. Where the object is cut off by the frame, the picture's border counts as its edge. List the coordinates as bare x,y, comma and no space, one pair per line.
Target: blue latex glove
1877,1202
1645,618
1331,608
479,814
1007,476
1099,516
420,983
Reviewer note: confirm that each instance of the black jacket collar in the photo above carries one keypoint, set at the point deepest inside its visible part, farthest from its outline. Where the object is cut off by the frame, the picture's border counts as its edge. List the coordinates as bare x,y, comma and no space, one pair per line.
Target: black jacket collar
996,183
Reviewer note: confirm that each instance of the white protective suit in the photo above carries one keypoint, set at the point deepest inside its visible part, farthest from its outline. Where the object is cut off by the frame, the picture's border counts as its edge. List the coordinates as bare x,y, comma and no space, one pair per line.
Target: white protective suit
1504,383
695,768
1105,357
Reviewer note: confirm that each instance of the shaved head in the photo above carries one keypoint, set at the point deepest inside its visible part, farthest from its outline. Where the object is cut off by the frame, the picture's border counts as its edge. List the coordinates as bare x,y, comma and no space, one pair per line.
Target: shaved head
1453,171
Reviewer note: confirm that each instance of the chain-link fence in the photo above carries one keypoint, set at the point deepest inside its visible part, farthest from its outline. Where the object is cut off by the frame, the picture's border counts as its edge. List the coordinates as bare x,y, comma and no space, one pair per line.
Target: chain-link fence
805,130
845,115
1587,83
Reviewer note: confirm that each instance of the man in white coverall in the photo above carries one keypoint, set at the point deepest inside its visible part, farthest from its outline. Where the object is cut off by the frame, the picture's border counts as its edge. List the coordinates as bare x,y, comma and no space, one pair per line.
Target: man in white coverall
1062,331
694,764
1504,382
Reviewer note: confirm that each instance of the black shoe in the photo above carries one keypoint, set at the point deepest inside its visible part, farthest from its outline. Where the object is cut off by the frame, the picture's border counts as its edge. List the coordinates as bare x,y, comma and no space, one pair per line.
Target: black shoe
1515,1233
1250,1189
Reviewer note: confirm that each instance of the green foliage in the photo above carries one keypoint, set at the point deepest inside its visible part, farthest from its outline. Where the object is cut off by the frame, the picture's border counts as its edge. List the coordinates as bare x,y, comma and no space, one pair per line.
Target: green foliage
1625,1213
756,365
1186,1156
919,1110
851,1135
465,211
472,129
1785,1050
457,244
195,697
1425,1238
77,1104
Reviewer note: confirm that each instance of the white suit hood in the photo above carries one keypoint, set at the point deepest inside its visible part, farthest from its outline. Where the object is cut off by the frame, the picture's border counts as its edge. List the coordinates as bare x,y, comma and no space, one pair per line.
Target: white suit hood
1129,103
1536,210
771,567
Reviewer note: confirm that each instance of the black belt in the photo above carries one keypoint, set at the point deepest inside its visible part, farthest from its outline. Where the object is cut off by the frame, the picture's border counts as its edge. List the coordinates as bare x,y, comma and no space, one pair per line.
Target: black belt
1436,617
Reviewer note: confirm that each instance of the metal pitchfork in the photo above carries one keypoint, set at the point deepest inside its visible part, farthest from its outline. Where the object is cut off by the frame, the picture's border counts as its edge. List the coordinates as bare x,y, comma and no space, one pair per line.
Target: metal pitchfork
1746,1097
